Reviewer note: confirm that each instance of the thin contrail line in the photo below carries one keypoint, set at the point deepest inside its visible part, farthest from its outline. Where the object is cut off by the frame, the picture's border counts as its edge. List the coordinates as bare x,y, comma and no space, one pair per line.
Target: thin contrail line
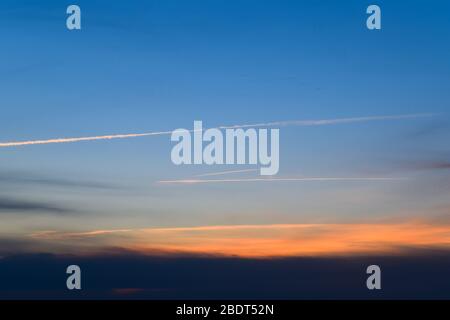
268,124
225,172
198,181
304,123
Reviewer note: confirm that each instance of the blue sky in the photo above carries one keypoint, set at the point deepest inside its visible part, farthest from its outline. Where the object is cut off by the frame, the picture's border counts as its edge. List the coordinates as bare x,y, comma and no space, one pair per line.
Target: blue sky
144,66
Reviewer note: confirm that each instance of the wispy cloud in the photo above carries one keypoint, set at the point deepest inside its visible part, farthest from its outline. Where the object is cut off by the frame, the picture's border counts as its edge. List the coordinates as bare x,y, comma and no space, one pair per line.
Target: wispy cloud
30,178
66,235
13,205
267,124
431,165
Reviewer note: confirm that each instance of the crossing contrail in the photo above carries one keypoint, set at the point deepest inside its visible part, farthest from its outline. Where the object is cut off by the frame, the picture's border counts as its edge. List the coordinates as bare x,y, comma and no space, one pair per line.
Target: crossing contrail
257,125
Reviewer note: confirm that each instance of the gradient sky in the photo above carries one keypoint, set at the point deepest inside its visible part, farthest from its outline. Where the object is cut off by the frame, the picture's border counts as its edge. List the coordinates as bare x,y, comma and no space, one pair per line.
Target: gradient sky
140,66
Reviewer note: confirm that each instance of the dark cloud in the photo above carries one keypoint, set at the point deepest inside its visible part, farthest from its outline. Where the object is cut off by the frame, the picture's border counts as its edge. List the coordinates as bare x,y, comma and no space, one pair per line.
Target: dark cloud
438,164
9,246
441,162
22,178
417,275
430,130
14,205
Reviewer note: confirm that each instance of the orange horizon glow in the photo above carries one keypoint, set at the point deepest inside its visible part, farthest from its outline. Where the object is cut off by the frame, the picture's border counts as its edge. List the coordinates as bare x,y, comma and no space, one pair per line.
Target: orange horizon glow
264,241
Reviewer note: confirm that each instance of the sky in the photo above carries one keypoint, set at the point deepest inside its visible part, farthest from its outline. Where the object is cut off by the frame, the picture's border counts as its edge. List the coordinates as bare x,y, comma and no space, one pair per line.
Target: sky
373,185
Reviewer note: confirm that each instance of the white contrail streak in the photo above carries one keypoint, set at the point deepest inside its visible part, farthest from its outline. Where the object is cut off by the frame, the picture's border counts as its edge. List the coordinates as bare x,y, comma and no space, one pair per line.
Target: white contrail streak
68,140
268,124
198,181
225,172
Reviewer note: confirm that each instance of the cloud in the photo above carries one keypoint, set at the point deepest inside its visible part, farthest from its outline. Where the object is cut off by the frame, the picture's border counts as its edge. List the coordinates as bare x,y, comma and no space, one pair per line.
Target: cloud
17,206
23,178
53,235
432,165
267,124
12,246
430,130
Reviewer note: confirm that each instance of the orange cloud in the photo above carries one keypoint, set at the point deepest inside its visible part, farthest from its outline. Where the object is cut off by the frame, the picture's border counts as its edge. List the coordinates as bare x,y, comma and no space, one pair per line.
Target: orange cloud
277,240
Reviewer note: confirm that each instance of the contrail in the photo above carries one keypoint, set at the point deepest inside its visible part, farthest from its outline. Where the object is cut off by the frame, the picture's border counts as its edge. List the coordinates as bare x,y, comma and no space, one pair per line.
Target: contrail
68,140
199,181
268,124
305,123
225,172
